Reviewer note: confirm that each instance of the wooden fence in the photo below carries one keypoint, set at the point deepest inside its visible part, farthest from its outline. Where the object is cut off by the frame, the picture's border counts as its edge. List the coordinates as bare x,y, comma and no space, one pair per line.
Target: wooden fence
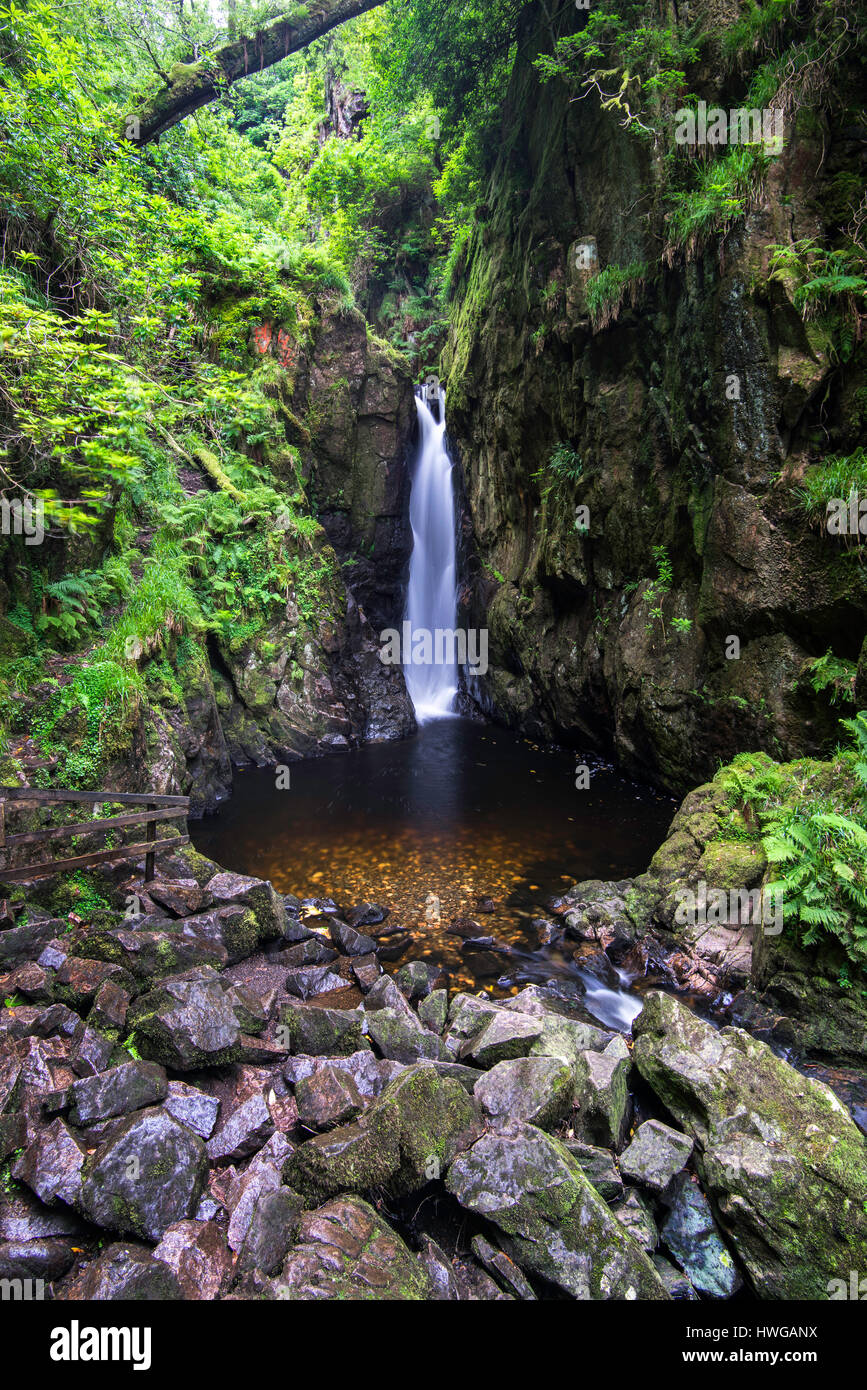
156,808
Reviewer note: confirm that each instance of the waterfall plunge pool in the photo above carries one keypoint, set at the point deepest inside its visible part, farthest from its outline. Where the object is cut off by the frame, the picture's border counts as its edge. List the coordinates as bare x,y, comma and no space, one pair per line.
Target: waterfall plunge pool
462,810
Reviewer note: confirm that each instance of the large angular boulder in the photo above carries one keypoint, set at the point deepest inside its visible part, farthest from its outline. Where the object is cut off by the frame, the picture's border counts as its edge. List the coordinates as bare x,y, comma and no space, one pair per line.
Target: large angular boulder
345,1251
147,1174
553,1222
195,1019
131,1086
405,1138
148,955
243,1133
52,1165
369,1074
318,1031
655,1155
197,1254
309,980
782,1161
124,1272
401,1037
194,1108
327,1098
266,906
602,1095
536,1089
692,1236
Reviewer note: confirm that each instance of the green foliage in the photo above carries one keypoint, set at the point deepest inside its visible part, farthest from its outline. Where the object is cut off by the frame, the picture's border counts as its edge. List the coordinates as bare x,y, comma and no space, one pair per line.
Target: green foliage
609,289
835,478
829,286
635,65
810,821
821,860
720,195
834,675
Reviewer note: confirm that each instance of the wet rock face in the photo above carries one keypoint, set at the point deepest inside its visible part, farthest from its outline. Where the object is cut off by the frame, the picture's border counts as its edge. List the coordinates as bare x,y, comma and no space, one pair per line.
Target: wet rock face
346,1251
666,457
553,1221
147,1174
778,1155
360,399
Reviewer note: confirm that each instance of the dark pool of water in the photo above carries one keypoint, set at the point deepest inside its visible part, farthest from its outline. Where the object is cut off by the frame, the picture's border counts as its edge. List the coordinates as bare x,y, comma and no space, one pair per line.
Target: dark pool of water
463,811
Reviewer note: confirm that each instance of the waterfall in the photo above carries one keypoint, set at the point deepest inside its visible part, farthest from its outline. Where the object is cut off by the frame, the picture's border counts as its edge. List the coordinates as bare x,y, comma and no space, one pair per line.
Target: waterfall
431,599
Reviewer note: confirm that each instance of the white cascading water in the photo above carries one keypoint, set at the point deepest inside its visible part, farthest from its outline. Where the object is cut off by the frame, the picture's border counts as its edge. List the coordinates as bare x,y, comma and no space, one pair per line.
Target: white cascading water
431,597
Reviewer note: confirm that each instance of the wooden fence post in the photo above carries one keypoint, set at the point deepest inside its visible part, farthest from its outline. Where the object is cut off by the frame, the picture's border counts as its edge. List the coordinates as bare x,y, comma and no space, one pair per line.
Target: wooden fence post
150,836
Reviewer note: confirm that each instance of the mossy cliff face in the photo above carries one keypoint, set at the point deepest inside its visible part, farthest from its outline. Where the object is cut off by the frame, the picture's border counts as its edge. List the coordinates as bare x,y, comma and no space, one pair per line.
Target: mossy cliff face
692,416
356,396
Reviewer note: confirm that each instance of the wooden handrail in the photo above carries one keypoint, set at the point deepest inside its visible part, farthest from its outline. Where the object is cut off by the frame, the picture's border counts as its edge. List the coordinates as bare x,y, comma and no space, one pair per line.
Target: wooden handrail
157,808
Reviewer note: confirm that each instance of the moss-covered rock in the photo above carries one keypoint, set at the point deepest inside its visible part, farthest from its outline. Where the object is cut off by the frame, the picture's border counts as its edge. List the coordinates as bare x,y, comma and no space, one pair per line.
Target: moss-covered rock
554,1223
783,1163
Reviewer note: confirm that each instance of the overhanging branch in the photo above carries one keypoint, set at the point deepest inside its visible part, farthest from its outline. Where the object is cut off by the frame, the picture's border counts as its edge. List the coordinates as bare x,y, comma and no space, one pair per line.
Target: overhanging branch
192,85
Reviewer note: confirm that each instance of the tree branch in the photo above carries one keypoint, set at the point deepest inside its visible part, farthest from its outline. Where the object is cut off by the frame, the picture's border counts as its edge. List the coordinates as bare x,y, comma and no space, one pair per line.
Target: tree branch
192,85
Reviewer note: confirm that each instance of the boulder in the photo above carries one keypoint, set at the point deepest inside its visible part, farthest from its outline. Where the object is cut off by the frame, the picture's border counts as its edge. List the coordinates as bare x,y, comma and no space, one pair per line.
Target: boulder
433,1010
635,1214
79,979
349,941
145,956
401,1037
503,1270
416,979
346,1252
259,896
440,1271
782,1161
691,1234
243,1133
92,1052
147,1174
127,1273
553,1222
310,980
369,1074
536,1089
321,1032
197,1254
109,1008
181,896
599,1166
47,1259
313,951
194,1019
327,1098
602,1095
403,1140
194,1108
366,970
131,1086
366,915
655,1155
503,1036
52,1165
272,1230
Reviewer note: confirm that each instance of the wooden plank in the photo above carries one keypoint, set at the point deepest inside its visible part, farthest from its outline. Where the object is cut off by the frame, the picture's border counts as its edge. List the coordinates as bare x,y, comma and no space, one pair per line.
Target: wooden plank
84,827
103,856
36,797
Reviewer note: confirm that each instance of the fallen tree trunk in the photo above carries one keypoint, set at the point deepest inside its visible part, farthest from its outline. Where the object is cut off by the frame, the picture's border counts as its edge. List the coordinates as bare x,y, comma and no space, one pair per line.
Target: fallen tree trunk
192,85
